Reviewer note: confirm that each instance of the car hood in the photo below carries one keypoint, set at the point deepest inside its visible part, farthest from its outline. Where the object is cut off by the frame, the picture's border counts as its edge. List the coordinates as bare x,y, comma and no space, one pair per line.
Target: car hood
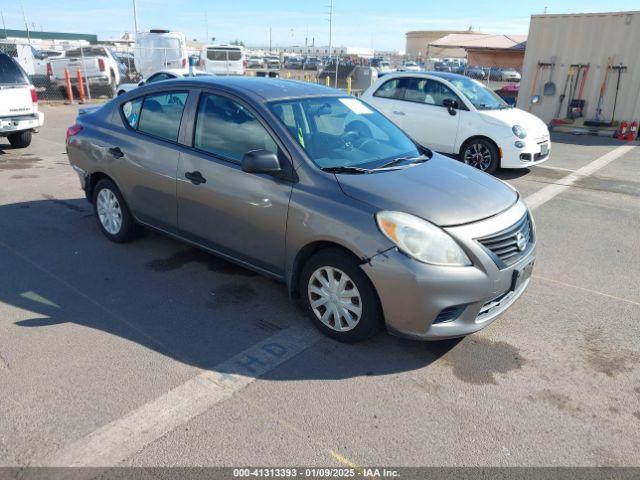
514,116
441,190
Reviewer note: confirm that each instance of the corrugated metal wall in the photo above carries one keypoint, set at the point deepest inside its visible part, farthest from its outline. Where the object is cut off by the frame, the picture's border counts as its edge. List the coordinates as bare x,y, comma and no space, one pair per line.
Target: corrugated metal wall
584,38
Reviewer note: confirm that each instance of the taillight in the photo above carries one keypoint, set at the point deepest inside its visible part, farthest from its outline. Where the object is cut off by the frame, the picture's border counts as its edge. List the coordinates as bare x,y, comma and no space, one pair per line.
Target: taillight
34,95
49,70
72,131
101,64
184,63
245,64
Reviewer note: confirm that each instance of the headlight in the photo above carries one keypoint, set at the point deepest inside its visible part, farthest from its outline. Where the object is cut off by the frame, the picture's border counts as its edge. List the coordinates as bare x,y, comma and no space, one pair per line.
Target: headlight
420,239
518,131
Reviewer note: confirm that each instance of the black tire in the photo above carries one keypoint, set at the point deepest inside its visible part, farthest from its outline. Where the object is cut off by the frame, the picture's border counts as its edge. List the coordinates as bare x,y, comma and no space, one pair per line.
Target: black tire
20,139
471,149
128,226
371,318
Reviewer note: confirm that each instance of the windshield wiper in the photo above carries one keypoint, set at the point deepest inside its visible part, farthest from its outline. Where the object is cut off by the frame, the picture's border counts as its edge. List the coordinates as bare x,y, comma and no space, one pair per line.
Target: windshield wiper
395,161
344,169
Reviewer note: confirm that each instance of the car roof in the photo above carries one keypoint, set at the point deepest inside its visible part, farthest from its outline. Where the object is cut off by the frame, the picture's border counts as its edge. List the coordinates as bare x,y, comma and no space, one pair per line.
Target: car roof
262,89
178,71
444,75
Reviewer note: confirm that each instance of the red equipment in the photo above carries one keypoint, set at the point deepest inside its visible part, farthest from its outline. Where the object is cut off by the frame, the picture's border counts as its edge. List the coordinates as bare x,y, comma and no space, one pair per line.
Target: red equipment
633,131
622,130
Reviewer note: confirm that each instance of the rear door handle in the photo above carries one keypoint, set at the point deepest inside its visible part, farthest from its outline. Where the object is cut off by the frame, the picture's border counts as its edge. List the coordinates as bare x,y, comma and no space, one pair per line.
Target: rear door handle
195,177
395,112
116,152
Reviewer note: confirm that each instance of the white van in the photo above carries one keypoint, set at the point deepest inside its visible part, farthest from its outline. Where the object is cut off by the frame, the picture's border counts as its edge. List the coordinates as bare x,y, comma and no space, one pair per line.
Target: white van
223,59
160,50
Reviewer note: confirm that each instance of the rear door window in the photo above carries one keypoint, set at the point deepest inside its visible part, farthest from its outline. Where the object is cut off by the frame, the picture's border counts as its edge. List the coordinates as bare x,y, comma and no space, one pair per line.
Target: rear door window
158,114
224,54
161,114
10,72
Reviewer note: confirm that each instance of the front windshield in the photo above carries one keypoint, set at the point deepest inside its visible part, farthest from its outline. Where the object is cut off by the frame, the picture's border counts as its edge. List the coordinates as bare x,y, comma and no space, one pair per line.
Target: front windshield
480,96
343,132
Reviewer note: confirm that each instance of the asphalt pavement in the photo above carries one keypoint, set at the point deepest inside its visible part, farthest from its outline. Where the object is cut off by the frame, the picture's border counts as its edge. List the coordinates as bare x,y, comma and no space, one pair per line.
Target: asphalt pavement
156,354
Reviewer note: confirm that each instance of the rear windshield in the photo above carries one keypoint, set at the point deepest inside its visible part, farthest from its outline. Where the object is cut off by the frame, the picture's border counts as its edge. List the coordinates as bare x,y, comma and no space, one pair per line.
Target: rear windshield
224,54
10,72
87,52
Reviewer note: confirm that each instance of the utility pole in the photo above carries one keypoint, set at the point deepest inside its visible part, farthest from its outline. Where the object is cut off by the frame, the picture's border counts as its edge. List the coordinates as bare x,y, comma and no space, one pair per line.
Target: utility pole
270,38
25,23
4,25
135,21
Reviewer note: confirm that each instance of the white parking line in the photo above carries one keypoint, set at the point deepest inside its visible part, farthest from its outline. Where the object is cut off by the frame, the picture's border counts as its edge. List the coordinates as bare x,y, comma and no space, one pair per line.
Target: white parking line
549,192
118,440
549,167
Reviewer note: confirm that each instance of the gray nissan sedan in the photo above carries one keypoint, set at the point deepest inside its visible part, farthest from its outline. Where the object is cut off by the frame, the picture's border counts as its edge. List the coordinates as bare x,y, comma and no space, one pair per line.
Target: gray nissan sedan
315,188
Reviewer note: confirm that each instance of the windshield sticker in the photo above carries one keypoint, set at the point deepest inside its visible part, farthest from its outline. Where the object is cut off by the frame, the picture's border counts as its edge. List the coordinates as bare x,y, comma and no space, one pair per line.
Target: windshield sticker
356,106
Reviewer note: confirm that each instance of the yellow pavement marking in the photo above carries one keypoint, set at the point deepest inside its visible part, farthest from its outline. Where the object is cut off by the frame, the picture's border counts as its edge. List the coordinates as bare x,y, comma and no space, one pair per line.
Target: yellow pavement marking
343,460
33,296
614,297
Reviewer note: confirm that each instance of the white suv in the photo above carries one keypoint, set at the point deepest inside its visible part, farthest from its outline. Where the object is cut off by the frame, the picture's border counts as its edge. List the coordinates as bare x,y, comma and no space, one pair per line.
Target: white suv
19,115
459,116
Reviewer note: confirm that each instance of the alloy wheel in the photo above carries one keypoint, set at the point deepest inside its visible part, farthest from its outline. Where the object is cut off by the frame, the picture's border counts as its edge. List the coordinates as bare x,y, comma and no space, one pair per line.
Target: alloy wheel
478,155
335,299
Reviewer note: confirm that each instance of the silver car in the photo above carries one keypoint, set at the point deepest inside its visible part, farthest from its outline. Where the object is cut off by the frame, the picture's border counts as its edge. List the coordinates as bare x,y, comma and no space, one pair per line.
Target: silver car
314,188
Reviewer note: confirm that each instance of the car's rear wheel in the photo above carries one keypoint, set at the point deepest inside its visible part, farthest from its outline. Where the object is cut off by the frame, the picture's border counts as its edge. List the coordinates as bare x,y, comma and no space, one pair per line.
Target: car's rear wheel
339,297
112,214
20,139
481,154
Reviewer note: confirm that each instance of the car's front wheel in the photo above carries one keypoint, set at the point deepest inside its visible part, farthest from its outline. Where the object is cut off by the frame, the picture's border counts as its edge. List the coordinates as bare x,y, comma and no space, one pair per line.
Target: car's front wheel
339,297
481,154
112,214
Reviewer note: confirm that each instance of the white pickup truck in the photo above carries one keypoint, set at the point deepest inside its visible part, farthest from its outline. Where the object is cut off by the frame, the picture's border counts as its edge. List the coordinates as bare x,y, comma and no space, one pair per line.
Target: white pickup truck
98,65
19,115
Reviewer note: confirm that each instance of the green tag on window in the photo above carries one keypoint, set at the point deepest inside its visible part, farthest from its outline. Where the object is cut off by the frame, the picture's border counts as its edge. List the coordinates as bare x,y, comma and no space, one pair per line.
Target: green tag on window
300,137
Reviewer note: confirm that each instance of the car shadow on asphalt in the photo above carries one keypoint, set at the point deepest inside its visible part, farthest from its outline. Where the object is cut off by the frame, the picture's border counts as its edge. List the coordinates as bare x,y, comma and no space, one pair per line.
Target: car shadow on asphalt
188,305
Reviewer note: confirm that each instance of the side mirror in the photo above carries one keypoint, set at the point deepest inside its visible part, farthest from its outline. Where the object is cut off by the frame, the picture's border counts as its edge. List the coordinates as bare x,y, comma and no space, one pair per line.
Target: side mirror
535,99
261,161
451,104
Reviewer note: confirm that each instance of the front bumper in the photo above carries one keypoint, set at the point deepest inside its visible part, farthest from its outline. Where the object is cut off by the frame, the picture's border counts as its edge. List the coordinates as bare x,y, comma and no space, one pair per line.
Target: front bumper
531,154
414,295
9,125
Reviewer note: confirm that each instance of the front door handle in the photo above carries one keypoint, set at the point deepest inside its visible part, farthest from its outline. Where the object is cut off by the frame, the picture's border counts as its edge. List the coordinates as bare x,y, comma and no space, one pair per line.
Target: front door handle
395,112
195,177
116,152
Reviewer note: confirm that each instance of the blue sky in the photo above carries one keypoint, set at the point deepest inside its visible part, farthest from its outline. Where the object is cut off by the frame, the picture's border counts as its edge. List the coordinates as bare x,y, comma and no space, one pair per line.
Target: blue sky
365,23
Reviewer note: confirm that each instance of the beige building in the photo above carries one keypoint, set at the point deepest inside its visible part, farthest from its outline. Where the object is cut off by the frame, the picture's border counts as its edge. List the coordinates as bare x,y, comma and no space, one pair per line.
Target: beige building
596,39
418,42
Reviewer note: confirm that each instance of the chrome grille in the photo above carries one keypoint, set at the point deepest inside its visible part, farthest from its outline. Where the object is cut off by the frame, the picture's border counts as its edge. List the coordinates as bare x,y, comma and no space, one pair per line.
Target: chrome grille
503,246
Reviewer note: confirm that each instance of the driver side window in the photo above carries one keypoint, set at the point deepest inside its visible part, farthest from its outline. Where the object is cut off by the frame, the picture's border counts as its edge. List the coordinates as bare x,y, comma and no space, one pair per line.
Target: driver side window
429,92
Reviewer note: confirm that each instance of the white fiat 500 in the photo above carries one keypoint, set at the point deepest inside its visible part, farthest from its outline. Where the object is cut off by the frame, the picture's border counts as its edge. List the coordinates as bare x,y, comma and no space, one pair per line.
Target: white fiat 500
459,116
